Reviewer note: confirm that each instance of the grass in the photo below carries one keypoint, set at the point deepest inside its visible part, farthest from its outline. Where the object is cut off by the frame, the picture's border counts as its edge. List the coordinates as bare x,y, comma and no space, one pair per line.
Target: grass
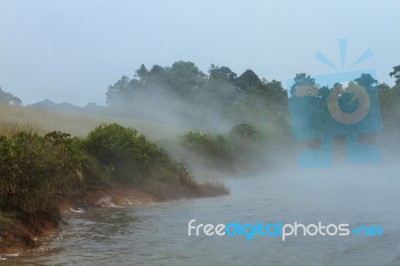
77,124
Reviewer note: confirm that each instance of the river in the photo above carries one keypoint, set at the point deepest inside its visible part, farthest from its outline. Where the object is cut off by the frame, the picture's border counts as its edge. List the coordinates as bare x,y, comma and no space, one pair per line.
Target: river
157,234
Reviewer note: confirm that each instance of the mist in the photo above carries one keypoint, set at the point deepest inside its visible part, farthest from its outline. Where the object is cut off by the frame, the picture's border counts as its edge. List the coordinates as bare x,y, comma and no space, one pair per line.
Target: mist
130,131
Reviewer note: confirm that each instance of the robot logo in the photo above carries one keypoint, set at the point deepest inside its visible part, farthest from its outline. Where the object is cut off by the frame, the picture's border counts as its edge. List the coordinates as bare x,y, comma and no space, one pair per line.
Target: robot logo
338,104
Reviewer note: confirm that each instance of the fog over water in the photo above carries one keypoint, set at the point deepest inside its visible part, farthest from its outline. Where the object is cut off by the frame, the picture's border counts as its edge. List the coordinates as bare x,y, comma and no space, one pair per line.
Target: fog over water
209,79
157,235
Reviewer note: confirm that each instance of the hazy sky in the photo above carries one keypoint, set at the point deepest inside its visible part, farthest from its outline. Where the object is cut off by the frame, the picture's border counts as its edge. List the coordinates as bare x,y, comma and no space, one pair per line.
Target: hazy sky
73,50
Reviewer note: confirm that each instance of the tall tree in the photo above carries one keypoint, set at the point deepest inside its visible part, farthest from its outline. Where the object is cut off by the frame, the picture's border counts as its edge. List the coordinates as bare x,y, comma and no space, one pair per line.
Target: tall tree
123,89
142,72
301,79
366,81
6,97
224,73
396,74
247,79
184,77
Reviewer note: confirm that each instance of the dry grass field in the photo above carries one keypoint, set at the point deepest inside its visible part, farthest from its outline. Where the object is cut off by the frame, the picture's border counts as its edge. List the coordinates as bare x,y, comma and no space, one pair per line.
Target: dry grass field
16,118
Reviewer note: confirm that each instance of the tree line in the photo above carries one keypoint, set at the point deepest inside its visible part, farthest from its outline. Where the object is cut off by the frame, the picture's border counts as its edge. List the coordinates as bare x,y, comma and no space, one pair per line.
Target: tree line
222,97
197,98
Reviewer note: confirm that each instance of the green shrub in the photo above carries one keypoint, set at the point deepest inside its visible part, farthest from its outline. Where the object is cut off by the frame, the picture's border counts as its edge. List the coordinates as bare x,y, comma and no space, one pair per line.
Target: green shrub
37,171
243,149
32,175
124,154
215,149
69,150
245,139
128,157
247,131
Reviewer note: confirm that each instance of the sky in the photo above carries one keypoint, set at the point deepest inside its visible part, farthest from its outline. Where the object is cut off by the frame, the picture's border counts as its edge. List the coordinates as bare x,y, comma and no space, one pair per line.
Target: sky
71,51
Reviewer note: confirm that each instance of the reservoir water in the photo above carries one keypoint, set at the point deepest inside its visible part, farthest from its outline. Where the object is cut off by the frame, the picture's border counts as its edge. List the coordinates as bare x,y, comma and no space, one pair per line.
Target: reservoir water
157,234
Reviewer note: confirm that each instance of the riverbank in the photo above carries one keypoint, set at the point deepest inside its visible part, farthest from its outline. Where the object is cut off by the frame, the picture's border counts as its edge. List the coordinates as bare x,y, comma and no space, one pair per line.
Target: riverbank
156,234
43,176
18,237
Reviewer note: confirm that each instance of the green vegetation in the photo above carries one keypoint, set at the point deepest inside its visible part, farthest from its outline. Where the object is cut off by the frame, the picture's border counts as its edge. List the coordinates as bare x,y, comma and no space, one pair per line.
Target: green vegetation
240,150
236,123
217,109
35,170
219,106
6,97
127,157
39,171
200,101
215,148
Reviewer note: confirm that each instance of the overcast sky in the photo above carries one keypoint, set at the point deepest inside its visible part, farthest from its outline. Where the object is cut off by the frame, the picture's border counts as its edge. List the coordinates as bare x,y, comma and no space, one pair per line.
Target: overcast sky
73,50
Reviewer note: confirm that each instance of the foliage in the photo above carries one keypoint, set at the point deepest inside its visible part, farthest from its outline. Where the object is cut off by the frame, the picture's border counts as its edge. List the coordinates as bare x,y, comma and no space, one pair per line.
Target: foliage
301,79
39,171
396,74
222,73
247,80
366,81
244,131
125,155
6,97
240,150
182,92
35,172
215,148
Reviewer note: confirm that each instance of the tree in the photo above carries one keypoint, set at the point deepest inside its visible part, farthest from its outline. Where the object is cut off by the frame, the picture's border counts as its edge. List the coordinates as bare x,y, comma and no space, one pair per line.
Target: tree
301,79
247,79
224,73
383,88
184,77
396,74
366,81
142,72
125,88
324,93
155,79
275,92
6,97
272,92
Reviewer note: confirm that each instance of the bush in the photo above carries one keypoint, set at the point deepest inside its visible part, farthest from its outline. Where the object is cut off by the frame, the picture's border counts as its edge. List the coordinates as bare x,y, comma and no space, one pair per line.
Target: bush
215,148
241,150
30,171
129,158
245,140
124,154
37,172
69,151
247,131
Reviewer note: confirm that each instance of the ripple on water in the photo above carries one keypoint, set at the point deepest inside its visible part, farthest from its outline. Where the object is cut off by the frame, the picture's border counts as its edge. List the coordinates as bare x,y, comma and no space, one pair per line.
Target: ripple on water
156,234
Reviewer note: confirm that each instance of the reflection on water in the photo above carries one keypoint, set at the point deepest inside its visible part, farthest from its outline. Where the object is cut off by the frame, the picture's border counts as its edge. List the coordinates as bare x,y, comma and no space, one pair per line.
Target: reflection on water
157,234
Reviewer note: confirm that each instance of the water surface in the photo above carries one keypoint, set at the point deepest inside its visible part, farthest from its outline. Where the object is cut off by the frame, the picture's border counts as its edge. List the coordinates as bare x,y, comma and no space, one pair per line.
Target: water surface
157,234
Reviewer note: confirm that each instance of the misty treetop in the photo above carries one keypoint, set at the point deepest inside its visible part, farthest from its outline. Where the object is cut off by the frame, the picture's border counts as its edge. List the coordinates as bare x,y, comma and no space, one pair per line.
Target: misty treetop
6,97
183,92
183,95
396,74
